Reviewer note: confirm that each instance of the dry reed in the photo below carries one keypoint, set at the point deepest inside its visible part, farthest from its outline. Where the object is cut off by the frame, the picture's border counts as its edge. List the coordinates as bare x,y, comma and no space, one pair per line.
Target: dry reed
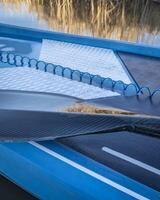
85,108
117,19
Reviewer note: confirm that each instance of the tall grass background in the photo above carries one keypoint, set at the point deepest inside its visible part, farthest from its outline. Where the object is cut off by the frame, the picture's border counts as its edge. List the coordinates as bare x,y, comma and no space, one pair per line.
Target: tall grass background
131,20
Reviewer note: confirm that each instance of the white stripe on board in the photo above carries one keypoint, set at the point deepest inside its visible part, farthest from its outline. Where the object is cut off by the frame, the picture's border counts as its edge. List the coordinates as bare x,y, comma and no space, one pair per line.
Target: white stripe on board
89,172
131,160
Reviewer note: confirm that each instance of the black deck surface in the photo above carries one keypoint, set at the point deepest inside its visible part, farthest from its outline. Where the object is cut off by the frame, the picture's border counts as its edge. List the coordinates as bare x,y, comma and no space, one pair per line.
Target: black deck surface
10,191
145,70
142,148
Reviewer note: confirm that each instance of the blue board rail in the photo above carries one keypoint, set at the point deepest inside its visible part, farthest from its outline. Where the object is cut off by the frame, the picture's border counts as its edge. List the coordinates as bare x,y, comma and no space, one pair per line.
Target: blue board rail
51,171
38,35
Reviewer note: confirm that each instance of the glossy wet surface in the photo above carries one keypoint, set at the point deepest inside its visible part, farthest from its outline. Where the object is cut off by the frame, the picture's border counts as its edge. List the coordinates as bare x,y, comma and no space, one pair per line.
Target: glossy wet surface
34,101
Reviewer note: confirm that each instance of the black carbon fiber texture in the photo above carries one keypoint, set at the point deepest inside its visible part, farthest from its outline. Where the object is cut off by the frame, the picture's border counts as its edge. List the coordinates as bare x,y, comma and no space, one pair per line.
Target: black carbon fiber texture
34,116
17,125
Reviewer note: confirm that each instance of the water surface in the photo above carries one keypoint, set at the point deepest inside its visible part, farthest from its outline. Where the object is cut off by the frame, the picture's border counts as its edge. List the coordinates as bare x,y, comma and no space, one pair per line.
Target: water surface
135,21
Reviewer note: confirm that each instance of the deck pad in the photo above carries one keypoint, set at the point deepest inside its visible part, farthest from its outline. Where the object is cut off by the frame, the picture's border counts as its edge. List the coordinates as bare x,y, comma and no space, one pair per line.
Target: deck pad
29,79
94,60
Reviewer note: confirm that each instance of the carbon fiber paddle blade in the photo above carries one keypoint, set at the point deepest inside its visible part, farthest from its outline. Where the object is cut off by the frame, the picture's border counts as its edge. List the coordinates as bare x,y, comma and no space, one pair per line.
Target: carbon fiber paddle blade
29,116
136,104
32,116
35,125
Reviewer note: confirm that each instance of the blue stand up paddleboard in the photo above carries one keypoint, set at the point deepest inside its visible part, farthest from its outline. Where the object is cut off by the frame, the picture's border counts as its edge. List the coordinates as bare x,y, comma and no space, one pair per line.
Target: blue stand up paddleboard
77,119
